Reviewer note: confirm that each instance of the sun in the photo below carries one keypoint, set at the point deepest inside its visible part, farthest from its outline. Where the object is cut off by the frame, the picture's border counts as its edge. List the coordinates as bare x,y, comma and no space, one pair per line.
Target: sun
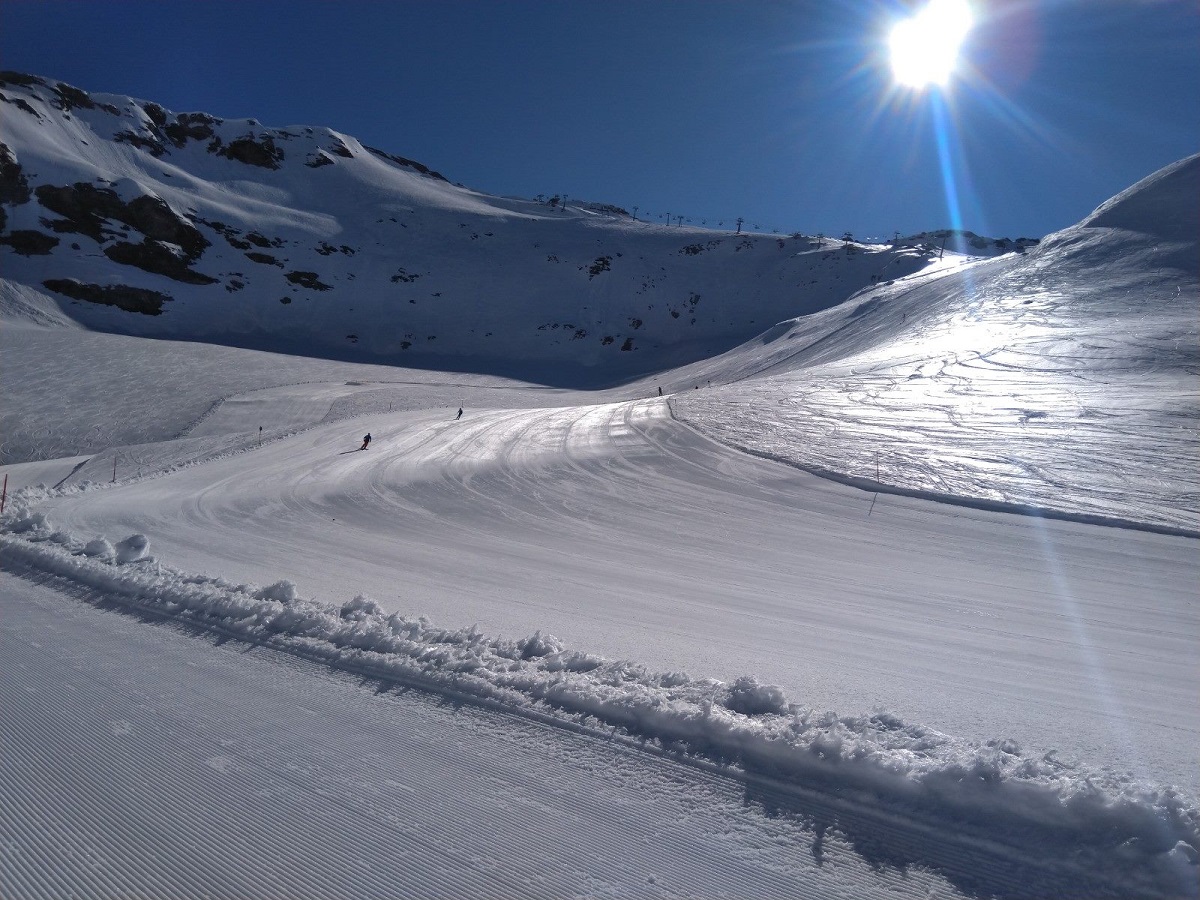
924,48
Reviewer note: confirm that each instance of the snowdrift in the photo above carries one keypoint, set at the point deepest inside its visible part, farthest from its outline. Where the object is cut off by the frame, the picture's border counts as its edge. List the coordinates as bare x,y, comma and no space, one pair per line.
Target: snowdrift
1147,838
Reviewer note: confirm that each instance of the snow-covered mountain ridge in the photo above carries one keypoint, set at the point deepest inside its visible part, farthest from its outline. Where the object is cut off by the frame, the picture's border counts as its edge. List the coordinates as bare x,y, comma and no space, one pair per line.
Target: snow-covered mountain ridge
134,219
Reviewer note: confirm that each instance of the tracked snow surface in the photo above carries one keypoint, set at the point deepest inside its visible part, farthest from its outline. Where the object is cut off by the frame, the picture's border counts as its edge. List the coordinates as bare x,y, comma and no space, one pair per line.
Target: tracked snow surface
578,642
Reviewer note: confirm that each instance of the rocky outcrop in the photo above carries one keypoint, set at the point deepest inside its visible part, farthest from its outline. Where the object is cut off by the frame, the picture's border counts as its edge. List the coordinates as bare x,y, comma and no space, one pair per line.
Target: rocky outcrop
86,209
260,152
190,127
307,280
408,164
130,299
155,257
14,187
28,242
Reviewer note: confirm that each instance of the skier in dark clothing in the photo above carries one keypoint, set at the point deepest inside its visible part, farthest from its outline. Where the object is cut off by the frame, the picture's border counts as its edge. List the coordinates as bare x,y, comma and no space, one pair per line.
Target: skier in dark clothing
366,441
459,416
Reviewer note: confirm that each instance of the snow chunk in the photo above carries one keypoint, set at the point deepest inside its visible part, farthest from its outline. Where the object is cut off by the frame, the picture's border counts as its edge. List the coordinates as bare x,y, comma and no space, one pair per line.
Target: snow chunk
360,609
280,592
99,548
24,524
538,645
132,549
750,698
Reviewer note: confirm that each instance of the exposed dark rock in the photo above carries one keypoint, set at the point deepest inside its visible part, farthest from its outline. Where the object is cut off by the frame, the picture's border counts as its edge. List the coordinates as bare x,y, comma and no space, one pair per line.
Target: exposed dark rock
307,280
153,218
71,98
130,299
66,226
261,240
409,164
228,231
152,256
154,147
19,79
29,243
628,345
265,259
285,300
600,264
234,284
341,150
320,159
190,127
14,188
406,277
157,114
262,153
21,104
86,207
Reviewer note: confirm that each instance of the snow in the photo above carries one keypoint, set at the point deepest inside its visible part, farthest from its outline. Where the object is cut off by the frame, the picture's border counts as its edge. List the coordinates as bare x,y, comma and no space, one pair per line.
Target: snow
907,578
202,775
996,791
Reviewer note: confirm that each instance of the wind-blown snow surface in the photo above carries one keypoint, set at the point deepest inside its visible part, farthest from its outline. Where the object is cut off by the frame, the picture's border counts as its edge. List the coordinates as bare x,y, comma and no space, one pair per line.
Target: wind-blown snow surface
1066,379
1008,687
627,532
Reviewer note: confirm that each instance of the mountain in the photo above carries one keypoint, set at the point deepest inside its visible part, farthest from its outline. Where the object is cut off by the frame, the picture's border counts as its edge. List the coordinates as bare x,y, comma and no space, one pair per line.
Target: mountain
1024,374
1063,379
126,217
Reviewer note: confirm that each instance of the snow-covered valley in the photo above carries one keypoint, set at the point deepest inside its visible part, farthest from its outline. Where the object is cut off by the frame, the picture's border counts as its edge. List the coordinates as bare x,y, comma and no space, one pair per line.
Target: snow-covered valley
583,642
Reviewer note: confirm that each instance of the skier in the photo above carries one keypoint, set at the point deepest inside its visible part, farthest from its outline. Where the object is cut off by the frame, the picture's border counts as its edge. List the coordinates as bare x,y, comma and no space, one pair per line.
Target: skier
459,416
366,441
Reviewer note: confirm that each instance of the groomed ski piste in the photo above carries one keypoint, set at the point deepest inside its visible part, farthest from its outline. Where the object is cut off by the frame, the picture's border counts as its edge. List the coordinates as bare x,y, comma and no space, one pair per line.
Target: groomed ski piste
586,643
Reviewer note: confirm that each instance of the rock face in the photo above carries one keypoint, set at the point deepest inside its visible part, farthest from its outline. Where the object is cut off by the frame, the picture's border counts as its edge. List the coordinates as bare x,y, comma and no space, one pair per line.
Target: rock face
188,225
130,299
261,152
156,257
14,187
87,210
28,243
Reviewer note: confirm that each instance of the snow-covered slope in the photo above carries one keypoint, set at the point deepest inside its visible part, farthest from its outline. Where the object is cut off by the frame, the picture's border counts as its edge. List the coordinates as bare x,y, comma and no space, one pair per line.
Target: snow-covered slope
1067,378
127,217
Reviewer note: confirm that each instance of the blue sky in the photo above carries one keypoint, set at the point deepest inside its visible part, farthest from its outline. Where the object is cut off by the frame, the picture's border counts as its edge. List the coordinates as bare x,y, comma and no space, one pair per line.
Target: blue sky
780,112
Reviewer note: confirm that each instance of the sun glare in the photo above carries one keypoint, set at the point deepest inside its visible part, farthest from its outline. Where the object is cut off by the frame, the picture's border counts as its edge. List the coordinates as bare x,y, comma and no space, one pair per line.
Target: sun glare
925,47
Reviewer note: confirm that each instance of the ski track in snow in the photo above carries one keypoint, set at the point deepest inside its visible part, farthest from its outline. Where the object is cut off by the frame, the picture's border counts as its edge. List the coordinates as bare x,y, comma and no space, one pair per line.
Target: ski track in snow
587,521
226,794
633,536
